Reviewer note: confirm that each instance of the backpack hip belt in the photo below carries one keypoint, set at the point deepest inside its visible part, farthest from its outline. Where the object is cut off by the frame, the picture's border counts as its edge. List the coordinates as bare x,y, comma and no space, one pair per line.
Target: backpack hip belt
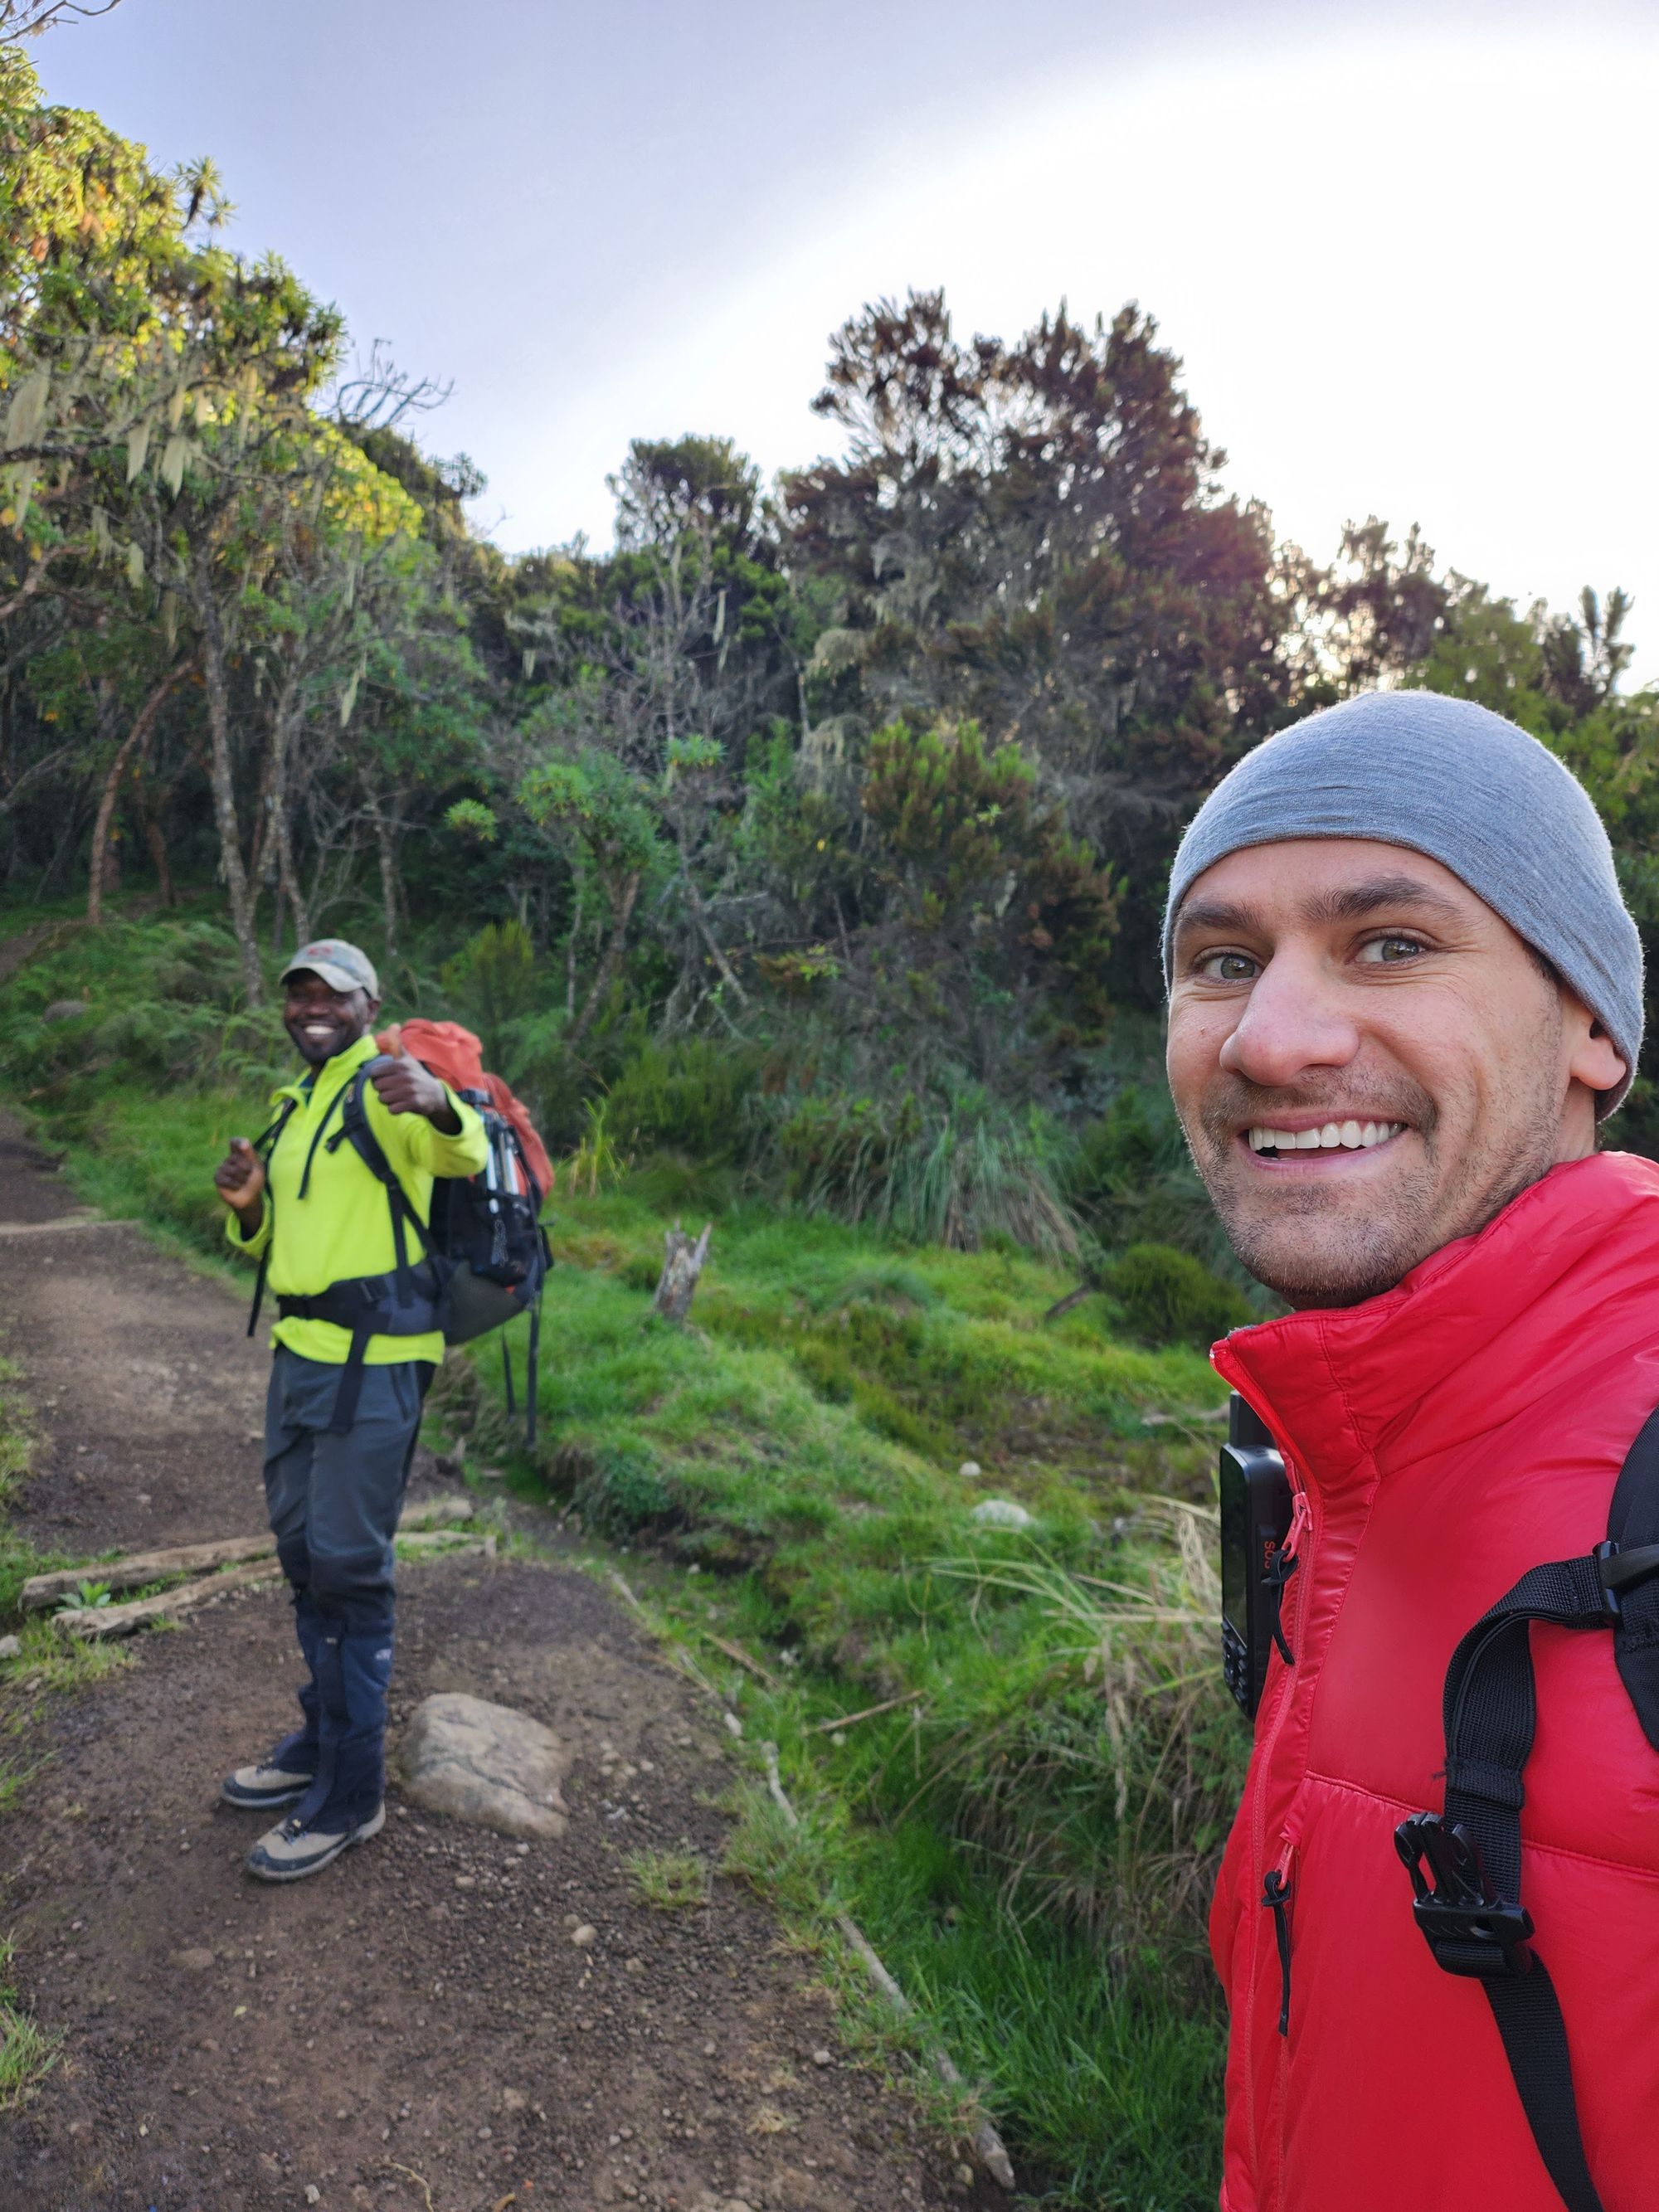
369,1306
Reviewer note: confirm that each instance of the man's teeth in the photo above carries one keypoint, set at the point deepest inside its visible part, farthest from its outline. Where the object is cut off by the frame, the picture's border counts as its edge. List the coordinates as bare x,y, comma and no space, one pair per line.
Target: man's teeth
1335,1136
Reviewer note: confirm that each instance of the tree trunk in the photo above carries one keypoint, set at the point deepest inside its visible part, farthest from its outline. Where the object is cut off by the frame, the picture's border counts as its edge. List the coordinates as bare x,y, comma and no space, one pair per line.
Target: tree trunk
681,1265
159,862
222,777
287,876
98,872
622,911
386,847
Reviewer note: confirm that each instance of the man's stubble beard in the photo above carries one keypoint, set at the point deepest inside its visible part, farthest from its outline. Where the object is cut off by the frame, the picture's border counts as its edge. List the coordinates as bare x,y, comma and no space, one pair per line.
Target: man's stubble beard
1367,1253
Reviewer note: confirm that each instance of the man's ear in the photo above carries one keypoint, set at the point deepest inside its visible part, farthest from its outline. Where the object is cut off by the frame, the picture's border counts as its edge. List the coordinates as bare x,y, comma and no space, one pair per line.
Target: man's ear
1595,1060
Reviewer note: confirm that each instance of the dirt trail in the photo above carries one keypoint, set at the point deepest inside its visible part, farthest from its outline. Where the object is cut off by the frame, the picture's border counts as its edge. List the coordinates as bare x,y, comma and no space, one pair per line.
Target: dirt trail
416,2027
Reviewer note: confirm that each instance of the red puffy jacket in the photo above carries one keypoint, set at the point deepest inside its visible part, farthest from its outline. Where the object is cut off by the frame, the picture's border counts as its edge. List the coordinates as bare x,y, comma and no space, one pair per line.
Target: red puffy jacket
1446,1437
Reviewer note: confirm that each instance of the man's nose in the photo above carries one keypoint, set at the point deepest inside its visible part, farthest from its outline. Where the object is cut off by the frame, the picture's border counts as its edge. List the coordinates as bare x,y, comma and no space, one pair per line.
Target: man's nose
1293,1020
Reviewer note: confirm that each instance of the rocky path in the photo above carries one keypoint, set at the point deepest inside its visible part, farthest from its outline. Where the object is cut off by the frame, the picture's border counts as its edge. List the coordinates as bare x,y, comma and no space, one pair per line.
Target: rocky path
446,2020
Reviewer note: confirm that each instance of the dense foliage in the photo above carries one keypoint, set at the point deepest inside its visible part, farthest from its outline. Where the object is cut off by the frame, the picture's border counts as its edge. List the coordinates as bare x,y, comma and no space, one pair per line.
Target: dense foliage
825,828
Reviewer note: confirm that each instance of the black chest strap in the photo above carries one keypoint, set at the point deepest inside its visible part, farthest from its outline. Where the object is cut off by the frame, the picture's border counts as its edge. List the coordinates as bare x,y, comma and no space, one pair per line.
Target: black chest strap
1465,1861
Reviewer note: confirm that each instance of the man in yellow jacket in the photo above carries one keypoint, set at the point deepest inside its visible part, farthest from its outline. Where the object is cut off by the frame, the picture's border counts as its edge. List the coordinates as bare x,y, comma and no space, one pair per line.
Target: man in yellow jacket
333,1203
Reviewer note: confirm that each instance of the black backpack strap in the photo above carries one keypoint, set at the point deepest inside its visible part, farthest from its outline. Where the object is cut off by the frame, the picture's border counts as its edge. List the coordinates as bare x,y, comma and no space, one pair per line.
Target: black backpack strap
1465,1863
355,1130
1633,1525
264,1144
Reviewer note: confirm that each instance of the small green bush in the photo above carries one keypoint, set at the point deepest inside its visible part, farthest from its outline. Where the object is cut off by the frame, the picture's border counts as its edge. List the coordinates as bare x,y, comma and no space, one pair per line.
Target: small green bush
689,1095
624,1493
672,1185
1167,1297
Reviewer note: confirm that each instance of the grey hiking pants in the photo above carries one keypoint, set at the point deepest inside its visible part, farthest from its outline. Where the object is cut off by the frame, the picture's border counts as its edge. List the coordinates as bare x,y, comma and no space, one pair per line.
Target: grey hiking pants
334,1502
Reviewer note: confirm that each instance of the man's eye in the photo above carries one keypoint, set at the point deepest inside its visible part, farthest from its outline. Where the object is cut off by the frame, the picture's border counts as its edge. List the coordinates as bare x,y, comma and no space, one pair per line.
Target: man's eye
1226,967
1390,952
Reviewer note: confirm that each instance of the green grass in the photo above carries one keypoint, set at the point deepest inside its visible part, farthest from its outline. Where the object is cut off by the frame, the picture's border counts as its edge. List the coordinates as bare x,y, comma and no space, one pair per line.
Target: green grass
670,1881
1029,1837
27,2054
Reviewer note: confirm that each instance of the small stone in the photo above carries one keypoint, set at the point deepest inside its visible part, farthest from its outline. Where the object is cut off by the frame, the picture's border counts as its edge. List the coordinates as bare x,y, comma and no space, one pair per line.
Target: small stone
970,1470
313,2195
466,1882
709,2051
10,1647
965,2174
734,1725
1001,1513
823,2058
198,1960
513,2101
583,1937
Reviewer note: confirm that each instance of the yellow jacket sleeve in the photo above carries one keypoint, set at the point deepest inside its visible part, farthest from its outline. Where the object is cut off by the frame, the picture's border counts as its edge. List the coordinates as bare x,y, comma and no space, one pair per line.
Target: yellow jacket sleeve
254,1246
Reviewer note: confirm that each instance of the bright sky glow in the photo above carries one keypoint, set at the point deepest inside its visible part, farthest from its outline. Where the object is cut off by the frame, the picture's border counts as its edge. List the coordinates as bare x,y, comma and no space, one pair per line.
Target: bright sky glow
1407,268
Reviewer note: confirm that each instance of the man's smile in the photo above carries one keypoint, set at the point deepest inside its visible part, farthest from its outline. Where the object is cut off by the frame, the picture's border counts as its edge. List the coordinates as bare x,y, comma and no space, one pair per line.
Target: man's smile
1276,1140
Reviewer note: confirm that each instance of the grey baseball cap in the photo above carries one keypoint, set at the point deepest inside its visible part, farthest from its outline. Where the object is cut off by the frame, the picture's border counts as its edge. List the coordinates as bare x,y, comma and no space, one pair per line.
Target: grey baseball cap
341,966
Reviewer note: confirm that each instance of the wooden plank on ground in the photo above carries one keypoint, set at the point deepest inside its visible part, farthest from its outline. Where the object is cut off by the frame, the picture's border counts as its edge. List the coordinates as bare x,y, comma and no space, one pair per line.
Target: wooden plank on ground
92,1623
436,1513
65,1222
41,1592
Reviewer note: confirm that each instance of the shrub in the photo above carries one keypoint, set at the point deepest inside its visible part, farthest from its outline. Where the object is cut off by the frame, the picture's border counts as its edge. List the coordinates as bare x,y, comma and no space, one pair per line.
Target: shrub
624,1493
690,1096
1167,1297
493,982
961,1172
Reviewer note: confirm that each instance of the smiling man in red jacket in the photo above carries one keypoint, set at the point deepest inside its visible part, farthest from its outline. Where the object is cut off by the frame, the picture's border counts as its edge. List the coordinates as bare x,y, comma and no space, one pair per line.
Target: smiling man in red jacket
1404,994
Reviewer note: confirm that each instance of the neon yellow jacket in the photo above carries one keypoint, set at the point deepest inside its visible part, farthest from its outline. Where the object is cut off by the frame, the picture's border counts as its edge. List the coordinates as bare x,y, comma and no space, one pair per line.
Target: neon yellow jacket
343,1226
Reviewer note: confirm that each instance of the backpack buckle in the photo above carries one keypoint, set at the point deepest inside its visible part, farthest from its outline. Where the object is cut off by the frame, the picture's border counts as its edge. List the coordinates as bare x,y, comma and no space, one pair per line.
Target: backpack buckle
1467,1925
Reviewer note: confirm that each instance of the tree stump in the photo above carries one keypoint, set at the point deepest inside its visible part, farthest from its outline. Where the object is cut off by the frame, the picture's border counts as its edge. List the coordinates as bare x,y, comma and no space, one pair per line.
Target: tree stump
681,1268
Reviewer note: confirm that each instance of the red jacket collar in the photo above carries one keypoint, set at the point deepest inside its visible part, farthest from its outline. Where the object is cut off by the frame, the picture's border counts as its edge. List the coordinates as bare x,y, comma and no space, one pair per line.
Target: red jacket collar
1567,1273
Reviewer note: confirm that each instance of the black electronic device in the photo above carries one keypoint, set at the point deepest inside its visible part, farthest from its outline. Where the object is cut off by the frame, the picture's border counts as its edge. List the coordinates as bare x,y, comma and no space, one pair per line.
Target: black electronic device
1255,1519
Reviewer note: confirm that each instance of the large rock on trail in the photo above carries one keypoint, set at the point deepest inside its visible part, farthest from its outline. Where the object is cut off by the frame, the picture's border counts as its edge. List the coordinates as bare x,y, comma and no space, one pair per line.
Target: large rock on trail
486,1764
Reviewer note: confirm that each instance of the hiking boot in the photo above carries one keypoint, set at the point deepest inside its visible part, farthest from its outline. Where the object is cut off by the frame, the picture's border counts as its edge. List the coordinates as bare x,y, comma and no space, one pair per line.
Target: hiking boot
293,1851
256,1788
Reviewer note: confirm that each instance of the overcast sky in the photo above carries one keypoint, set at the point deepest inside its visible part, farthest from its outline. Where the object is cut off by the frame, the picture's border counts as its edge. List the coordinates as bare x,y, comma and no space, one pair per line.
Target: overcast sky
1405,252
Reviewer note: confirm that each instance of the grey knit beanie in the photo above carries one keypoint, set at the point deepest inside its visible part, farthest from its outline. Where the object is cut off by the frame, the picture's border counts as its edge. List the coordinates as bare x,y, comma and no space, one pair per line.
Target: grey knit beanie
1473,791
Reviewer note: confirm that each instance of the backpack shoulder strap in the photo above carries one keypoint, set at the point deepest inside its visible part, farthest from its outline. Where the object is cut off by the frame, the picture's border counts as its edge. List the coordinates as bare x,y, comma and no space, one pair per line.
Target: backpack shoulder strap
264,1144
1633,1526
1465,1863
354,1129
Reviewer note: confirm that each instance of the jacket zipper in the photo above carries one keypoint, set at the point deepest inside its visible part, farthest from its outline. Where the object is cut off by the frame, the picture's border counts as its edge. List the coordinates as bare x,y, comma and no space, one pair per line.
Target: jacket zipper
1303,1529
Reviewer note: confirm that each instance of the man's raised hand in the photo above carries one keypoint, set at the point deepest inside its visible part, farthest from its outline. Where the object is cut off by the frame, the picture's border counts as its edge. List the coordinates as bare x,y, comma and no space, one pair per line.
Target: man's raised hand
239,1180
405,1087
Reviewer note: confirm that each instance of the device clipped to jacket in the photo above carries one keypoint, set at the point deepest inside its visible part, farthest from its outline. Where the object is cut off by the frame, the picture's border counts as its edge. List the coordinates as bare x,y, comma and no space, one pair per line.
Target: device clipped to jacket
1255,1519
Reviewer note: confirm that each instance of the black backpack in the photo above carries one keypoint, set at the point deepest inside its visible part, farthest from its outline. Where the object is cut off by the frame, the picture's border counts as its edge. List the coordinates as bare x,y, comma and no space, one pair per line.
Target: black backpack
485,1253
